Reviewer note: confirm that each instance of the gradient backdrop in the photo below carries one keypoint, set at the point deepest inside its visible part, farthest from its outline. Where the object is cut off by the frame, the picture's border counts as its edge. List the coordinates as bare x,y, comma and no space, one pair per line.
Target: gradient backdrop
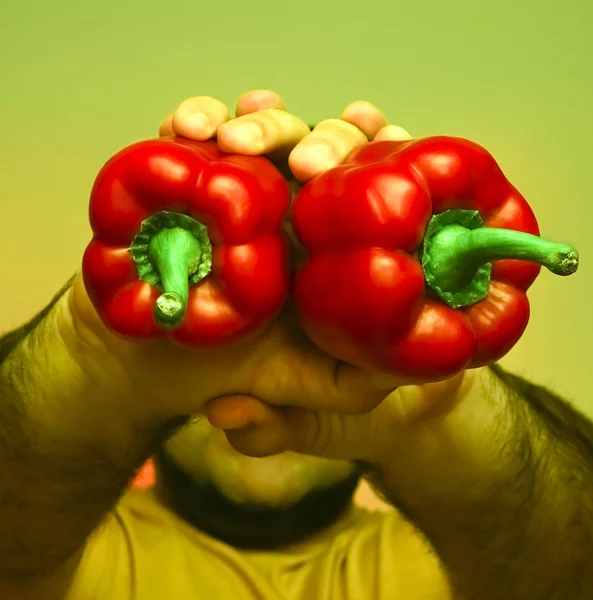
80,80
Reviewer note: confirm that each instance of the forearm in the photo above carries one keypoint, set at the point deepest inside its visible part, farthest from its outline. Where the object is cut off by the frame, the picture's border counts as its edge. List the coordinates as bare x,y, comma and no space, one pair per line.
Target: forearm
503,489
69,444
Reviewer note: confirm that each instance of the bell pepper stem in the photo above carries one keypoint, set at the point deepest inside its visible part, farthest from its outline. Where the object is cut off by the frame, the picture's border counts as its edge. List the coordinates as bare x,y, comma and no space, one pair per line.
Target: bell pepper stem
175,254
458,252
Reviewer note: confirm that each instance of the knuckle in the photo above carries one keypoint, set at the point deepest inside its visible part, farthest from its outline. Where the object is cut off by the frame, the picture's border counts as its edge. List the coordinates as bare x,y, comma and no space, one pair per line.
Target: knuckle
327,123
323,435
270,120
339,132
205,104
312,436
265,120
336,124
271,115
278,127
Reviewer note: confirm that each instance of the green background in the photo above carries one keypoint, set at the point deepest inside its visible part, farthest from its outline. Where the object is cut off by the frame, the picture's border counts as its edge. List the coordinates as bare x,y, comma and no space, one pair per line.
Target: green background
80,80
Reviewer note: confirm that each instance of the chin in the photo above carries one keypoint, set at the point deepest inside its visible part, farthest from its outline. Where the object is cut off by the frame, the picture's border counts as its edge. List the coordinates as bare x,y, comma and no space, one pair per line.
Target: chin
279,480
257,503
274,481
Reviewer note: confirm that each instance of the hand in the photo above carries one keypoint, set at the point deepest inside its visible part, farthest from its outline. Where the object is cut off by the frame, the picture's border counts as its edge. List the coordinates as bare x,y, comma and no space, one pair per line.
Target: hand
262,422
262,126
279,366
262,428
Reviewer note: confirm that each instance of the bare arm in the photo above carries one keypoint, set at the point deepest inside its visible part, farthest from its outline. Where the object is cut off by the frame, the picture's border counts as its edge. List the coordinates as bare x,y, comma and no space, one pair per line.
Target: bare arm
70,440
503,489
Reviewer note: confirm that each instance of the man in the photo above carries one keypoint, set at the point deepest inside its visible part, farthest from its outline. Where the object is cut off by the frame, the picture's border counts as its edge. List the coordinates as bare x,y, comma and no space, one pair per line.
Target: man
490,476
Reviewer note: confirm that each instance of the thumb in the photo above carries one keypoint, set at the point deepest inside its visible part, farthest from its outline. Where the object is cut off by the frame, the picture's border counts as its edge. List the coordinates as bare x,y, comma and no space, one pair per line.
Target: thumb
258,429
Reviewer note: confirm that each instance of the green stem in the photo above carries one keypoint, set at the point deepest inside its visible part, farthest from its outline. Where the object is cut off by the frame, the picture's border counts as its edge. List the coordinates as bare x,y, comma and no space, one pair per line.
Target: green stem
175,254
457,253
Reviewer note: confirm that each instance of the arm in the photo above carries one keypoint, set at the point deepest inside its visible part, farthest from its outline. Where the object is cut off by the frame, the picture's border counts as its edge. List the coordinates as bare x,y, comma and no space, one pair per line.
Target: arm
80,410
67,448
503,489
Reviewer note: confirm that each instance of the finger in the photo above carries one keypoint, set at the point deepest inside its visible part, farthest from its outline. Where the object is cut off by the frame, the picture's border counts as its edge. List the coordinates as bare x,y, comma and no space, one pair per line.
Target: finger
238,411
306,377
199,118
366,116
269,430
324,148
393,133
257,100
329,385
253,427
166,127
271,130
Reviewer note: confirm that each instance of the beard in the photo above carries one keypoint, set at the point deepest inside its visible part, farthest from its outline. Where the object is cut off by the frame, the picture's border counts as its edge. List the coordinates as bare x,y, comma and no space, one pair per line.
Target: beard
249,525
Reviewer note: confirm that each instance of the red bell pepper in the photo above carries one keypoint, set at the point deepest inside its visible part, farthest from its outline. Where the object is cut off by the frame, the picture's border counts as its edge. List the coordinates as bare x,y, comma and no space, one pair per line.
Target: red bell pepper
419,257
188,242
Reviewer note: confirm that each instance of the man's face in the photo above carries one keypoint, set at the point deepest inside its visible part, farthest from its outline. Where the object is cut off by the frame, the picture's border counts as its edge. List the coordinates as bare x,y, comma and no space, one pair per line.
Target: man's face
250,502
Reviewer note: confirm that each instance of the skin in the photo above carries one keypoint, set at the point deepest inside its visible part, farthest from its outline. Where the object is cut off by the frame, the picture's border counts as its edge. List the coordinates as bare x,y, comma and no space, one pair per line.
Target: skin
262,126
496,472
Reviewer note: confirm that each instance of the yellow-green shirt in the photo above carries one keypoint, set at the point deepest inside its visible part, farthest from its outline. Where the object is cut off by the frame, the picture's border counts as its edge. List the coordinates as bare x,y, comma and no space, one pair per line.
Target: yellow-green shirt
145,552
